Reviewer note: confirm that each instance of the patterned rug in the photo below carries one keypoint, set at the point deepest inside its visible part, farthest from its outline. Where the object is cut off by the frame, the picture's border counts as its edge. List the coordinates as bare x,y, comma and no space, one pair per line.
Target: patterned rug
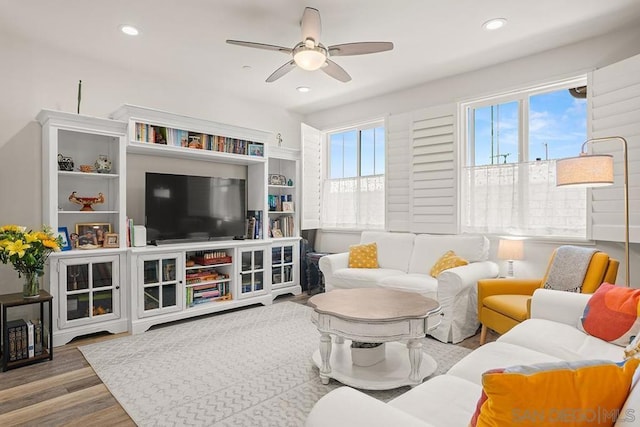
244,368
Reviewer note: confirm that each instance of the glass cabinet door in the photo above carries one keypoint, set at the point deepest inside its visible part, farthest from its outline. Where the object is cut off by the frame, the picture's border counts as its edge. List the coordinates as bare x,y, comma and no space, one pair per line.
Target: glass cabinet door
89,290
160,282
282,265
252,271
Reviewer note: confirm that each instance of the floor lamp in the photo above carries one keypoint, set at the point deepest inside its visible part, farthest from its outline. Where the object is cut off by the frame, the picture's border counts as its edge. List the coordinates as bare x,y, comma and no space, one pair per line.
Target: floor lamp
596,170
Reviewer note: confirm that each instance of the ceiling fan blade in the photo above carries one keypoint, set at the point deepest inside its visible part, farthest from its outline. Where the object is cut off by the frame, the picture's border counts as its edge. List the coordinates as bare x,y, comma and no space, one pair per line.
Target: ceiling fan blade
261,46
311,26
336,71
281,71
360,48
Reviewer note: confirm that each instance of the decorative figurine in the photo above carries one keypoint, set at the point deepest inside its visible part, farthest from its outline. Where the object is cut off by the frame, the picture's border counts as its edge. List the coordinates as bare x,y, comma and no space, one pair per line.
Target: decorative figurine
103,164
86,202
65,163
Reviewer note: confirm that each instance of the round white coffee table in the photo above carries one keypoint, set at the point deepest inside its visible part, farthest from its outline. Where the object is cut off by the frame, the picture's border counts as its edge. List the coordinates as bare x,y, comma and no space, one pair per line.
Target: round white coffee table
374,316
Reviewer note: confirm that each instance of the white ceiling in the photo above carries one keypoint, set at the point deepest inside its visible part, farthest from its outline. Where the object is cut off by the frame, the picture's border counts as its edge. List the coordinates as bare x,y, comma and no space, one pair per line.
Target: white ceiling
184,40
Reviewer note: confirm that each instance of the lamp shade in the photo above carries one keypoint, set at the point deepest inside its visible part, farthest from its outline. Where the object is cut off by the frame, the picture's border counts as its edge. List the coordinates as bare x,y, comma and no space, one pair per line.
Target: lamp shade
586,170
510,249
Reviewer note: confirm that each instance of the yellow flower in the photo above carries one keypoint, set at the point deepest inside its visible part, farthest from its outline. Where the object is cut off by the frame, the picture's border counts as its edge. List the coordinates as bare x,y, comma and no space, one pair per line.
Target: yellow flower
12,227
4,243
52,244
31,237
41,235
17,247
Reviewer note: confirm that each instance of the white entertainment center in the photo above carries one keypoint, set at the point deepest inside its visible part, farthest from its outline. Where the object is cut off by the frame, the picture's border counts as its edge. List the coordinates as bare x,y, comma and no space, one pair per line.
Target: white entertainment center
124,288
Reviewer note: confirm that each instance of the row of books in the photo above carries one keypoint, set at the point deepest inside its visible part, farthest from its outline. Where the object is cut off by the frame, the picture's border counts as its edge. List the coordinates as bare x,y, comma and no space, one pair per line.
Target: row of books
182,138
25,339
200,294
254,225
208,275
282,226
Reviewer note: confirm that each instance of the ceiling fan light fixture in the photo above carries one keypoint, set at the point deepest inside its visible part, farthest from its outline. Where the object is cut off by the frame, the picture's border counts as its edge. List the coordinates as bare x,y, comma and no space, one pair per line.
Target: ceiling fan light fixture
309,59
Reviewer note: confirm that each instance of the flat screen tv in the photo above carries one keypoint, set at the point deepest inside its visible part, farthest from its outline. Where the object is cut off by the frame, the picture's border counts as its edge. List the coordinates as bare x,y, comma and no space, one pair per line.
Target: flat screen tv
193,208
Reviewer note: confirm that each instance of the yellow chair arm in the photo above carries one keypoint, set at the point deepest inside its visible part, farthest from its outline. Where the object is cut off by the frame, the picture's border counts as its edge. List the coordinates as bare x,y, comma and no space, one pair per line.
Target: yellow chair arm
488,287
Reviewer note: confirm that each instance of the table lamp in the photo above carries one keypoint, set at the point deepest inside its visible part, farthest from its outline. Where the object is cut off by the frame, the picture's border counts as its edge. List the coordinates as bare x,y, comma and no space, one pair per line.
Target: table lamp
596,170
510,250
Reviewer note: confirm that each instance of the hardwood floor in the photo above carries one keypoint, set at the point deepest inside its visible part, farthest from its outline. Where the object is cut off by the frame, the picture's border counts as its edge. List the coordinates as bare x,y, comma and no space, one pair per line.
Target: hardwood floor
67,392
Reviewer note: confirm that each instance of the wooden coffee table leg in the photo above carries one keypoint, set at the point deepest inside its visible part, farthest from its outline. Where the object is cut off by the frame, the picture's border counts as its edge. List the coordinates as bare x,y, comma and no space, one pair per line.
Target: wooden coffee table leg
415,359
325,356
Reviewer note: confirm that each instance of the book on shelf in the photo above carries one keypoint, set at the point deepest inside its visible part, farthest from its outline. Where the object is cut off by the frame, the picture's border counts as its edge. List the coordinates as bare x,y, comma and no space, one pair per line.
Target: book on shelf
17,334
254,224
30,339
37,337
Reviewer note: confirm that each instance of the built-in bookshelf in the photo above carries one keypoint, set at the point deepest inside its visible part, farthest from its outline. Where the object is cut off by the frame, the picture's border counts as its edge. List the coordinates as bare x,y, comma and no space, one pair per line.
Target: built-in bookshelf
282,195
149,133
208,276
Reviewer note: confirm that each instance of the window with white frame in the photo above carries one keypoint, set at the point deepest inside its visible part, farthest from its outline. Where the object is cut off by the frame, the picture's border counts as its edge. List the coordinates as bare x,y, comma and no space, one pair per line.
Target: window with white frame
353,191
512,141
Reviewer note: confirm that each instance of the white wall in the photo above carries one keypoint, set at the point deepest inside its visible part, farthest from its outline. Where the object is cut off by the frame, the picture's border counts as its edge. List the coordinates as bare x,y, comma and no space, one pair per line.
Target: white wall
558,63
34,77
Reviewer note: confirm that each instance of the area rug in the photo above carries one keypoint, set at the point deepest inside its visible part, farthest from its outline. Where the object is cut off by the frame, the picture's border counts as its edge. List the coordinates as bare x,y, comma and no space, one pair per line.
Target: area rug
250,367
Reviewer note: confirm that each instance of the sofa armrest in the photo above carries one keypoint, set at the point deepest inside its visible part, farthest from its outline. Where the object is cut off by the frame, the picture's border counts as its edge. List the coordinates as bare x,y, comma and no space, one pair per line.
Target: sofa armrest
558,306
347,407
328,264
457,279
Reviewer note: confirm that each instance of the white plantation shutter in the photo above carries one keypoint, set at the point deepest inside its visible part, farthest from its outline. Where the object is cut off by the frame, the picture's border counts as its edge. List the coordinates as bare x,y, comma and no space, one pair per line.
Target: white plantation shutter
615,111
398,172
311,177
434,171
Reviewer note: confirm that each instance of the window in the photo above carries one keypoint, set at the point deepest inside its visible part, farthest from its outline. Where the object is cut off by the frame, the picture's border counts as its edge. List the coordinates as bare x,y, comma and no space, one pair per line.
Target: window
353,193
512,142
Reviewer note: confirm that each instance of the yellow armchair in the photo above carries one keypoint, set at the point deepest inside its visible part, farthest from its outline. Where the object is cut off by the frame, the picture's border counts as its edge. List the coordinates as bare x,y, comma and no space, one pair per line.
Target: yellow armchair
503,303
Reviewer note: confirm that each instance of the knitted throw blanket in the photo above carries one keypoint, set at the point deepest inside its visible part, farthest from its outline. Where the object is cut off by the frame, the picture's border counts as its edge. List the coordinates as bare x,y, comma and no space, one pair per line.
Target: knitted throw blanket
569,268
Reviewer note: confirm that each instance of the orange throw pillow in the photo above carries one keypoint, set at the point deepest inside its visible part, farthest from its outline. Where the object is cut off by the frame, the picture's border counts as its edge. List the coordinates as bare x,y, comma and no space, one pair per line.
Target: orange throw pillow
363,256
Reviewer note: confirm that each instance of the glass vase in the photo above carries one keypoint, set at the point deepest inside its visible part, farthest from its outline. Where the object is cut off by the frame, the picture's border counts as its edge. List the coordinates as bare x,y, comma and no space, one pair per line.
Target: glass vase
31,286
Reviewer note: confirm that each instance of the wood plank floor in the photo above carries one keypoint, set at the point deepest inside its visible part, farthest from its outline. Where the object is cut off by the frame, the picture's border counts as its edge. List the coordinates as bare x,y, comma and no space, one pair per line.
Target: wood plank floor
67,392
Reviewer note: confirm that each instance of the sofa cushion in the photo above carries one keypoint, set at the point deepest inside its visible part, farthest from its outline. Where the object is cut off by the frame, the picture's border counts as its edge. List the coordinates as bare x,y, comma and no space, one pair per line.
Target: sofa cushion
363,256
612,314
513,306
394,249
444,400
348,278
429,247
569,393
448,260
422,284
560,340
496,355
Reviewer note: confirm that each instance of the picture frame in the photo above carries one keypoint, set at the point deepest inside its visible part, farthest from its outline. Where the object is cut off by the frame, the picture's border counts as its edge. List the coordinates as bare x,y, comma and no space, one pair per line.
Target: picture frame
111,240
63,233
276,232
275,179
91,235
256,150
287,206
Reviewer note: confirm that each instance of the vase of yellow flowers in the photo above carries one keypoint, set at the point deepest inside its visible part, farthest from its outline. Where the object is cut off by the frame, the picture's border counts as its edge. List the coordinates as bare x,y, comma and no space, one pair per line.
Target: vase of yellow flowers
27,251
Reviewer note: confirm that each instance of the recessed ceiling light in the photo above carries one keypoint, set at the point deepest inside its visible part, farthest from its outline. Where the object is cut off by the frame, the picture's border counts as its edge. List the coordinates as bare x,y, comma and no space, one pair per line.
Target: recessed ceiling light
246,67
303,89
129,30
494,24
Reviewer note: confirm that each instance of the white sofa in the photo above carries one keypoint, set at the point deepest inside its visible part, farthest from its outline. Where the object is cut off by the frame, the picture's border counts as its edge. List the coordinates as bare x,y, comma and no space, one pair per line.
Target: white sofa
449,400
405,260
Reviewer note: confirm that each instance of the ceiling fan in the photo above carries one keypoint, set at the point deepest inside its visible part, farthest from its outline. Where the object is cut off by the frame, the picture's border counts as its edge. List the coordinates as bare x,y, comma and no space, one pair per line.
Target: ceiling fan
311,55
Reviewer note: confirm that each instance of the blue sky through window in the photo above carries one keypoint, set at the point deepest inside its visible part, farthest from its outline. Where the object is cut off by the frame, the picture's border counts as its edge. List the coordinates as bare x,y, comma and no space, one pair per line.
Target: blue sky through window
557,129
343,153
